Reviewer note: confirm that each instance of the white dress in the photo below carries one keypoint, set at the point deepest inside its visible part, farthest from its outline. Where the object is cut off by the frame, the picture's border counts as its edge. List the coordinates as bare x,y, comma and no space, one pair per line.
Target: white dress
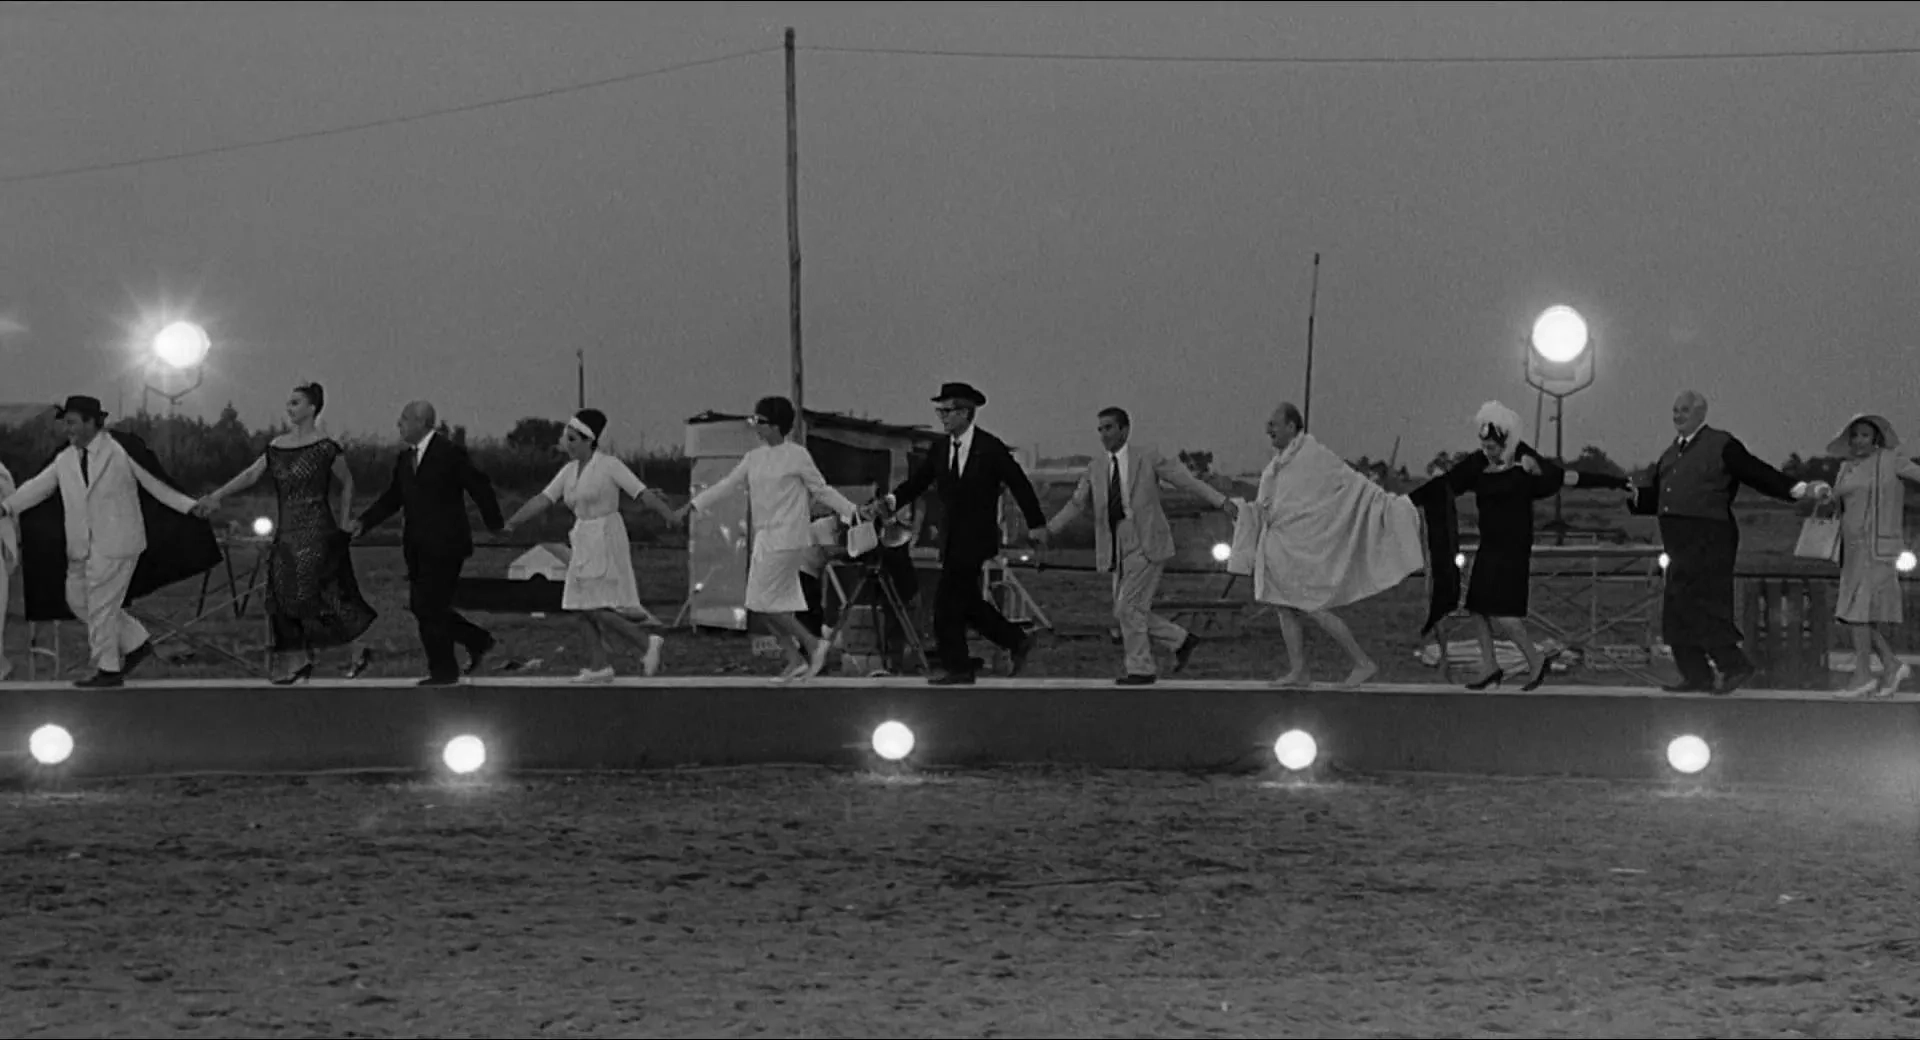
600,575
781,482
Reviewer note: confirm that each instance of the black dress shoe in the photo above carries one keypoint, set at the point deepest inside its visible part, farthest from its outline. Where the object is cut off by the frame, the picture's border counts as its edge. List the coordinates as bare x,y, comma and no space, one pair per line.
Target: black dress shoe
439,680
951,679
474,657
1688,686
1734,680
1184,653
135,656
1130,679
101,681
1018,659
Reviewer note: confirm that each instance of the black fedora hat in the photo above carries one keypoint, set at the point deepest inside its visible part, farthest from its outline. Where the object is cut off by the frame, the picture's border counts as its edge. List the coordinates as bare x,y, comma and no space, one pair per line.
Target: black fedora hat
82,405
961,392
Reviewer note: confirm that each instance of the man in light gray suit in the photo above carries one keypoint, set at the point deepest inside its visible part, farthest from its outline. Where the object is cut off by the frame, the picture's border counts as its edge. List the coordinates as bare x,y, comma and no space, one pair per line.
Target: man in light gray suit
1132,539
99,485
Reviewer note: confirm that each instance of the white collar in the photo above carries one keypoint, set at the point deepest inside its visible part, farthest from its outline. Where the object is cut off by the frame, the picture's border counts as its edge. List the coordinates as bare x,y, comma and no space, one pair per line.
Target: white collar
420,447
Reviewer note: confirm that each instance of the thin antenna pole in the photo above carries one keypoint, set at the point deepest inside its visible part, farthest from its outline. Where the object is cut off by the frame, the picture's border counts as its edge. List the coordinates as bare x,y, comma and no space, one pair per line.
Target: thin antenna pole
580,363
1313,307
793,242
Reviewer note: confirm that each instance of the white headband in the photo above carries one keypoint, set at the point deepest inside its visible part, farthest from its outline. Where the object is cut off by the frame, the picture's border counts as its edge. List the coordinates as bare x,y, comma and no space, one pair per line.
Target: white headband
582,429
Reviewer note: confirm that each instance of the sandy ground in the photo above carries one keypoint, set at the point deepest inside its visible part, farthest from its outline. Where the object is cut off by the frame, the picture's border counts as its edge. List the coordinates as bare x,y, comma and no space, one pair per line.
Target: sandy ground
1007,903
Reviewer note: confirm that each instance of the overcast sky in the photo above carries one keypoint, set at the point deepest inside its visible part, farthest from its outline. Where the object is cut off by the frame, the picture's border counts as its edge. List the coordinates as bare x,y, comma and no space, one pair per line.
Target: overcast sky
1063,234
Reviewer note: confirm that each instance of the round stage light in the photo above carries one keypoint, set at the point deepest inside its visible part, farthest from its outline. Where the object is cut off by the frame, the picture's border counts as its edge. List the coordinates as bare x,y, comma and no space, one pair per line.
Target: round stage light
181,344
1459,559
465,754
1665,561
262,526
1222,552
892,741
1688,754
1296,750
1560,334
1906,562
50,745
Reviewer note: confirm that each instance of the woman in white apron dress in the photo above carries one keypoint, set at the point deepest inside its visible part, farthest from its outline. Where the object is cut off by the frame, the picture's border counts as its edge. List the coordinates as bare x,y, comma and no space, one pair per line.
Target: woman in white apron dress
782,483
600,587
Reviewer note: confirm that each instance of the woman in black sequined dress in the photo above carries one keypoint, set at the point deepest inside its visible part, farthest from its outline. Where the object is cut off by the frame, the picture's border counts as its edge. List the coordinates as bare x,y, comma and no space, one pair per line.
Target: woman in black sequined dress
314,601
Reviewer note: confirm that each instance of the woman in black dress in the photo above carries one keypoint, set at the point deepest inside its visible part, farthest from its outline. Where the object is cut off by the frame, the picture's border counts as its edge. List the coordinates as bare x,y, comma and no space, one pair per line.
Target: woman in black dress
1506,477
314,601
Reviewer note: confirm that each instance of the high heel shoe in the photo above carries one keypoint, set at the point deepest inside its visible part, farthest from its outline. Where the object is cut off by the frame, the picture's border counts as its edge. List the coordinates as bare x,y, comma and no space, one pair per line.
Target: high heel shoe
300,675
361,662
1490,679
1546,665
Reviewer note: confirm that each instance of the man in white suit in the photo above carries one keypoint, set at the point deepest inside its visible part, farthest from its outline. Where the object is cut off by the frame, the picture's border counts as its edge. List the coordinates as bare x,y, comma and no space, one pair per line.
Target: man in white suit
99,485
1132,540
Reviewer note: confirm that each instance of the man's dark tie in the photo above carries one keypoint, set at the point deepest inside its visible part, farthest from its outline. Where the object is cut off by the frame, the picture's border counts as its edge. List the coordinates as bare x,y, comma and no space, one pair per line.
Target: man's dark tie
954,463
1116,506
84,479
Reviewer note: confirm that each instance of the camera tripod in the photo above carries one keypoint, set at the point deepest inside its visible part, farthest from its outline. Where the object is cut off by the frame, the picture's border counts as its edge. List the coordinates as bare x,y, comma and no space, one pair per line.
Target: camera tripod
874,573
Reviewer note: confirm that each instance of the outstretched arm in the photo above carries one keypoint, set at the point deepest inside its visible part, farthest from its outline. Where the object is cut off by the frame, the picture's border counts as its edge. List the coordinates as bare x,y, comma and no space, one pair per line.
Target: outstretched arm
917,482
1016,481
479,488
32,493
1759,476
387,504
177,501
1174,472
1081,500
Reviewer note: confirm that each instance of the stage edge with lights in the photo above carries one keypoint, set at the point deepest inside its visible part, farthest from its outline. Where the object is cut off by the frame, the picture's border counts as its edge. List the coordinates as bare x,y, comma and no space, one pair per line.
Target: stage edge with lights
54,732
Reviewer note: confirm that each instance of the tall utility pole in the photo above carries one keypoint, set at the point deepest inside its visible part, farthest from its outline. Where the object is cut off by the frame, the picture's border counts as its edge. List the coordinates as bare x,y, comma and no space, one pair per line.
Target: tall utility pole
580,369
793,244
1313,306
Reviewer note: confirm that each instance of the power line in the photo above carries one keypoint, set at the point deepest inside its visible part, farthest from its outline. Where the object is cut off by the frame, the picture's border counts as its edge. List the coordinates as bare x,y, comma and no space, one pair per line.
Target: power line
374,124
1564,59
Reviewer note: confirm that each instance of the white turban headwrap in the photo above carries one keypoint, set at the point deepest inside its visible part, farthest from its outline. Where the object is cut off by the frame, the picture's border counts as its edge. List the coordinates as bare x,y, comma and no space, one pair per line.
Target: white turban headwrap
1498,416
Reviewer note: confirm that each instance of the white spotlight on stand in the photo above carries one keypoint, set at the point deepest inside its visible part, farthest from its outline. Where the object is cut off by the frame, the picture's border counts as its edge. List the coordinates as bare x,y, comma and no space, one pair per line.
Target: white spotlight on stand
1559,364
181,345
1906,563
1688,754
892,741
465,754
50,745
1665,561
262,527
1222,552
1296,750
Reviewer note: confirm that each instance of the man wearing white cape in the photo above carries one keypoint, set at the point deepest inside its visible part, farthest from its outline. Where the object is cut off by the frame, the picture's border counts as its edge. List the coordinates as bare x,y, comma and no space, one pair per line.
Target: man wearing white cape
1327,537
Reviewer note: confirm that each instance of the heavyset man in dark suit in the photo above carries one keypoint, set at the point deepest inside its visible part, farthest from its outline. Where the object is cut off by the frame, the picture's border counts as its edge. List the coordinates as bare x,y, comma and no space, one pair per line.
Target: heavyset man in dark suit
969,475
1691,491
432,478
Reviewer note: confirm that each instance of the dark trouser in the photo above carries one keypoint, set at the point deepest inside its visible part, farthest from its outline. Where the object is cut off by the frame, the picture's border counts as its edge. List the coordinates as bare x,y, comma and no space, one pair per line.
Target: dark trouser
1697,614
957,605
431,580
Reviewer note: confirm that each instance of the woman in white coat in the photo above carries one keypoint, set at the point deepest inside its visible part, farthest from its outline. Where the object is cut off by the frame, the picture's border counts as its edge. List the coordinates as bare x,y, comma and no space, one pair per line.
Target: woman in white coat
601,587
781,482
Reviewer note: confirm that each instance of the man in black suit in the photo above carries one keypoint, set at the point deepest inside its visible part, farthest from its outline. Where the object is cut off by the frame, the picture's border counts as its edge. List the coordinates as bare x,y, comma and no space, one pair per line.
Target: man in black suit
432,479
969,473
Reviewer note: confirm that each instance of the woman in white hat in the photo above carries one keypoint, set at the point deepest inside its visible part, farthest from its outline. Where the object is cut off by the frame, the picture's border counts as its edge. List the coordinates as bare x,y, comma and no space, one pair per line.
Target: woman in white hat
1872,537
600,584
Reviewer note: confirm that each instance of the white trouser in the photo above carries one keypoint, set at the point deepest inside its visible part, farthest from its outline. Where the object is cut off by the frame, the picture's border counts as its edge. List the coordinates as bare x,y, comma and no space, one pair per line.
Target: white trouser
96,588
1140,628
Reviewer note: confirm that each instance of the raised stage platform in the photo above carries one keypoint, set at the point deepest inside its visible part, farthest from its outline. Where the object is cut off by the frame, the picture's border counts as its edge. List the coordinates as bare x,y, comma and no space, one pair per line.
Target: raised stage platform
211,726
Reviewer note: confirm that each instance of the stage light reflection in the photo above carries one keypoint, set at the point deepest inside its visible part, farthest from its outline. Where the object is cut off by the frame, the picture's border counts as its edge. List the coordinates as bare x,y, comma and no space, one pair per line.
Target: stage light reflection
50,745
262,526
1665,561
1688,754
892,741
1296,750
465,754
1222,552
1459,559
1906,563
